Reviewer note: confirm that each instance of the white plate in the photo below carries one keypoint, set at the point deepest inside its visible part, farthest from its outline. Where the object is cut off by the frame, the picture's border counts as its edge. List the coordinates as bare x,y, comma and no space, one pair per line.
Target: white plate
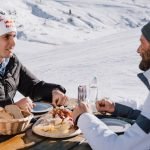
116,125
41,107
72,132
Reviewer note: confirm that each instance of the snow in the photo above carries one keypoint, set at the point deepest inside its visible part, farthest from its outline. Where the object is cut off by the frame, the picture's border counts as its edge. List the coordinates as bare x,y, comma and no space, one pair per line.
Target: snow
99,38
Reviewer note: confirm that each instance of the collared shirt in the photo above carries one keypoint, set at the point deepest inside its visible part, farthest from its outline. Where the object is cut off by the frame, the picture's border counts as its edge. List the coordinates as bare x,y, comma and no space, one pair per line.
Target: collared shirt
3,66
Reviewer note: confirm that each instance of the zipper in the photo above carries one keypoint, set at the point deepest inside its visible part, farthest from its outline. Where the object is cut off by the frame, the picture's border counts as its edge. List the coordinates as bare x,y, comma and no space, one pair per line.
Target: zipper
6,90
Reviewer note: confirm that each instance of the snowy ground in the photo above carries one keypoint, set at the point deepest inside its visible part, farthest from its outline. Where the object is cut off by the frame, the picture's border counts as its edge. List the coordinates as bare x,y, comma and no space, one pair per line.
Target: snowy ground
49,21
113,59
98,38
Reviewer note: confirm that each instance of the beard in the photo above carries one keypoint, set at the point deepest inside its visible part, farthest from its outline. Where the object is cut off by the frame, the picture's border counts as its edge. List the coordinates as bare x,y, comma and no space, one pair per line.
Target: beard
145,62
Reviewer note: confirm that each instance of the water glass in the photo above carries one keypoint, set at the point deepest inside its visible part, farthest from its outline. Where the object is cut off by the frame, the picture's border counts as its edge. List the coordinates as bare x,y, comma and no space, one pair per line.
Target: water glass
82,93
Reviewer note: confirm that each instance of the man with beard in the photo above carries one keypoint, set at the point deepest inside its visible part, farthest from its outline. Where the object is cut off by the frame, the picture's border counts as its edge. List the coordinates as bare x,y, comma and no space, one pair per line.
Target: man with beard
137,137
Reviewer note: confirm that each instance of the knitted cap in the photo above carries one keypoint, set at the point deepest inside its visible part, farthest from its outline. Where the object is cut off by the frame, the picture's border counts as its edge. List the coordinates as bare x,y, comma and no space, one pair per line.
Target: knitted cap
146,31
6,24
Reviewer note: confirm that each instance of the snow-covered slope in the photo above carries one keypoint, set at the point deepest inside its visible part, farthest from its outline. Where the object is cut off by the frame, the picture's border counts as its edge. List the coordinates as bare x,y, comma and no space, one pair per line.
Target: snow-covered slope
67,21
113,59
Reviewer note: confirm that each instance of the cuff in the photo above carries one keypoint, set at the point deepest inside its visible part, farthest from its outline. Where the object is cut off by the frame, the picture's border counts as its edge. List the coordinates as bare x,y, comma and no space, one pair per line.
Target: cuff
76,121
120,110
4,103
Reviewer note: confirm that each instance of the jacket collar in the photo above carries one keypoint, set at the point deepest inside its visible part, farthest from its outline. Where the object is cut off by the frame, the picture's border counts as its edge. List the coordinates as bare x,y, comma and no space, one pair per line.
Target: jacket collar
145,78
147,75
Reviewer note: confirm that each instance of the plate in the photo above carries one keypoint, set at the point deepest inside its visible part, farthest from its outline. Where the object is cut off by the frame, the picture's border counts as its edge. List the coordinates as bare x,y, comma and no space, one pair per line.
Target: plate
72,132
116,125
41,107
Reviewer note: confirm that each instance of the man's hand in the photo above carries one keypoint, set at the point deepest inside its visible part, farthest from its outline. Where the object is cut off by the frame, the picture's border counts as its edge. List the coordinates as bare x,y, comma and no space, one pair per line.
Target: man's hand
59,98
25,104
80,109
105,105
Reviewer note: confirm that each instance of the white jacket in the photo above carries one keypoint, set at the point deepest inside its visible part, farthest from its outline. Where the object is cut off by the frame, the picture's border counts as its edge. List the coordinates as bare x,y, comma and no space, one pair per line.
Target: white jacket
101,138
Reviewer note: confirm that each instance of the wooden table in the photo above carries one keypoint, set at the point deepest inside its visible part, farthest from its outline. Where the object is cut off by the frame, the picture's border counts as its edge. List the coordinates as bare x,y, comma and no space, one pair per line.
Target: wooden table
74,143
45,143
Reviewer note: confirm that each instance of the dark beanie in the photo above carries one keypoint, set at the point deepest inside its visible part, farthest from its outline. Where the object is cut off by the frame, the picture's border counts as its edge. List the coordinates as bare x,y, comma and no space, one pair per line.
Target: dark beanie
146,31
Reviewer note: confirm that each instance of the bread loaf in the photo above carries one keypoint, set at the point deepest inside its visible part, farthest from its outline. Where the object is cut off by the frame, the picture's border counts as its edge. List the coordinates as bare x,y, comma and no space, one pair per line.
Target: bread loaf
4,114
14,110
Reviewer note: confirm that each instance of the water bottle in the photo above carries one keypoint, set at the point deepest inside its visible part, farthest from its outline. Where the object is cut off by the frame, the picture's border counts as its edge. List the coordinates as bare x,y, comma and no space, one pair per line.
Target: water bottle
93,93
93,90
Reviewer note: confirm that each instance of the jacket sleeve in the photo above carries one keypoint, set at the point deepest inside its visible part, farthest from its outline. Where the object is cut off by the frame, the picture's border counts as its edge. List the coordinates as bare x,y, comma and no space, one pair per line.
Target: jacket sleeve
30,86
144,118
99,136
125,111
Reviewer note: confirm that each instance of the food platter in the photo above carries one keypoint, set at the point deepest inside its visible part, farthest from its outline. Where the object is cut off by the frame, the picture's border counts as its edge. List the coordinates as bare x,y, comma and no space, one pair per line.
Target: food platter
116,125
72,132
54,126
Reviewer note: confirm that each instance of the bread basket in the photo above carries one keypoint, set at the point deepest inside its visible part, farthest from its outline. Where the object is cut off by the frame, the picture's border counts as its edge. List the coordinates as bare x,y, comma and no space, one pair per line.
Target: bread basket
16,124
13,126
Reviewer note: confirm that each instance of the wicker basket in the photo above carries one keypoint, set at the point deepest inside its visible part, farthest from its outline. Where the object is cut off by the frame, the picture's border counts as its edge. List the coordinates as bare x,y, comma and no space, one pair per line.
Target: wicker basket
13,126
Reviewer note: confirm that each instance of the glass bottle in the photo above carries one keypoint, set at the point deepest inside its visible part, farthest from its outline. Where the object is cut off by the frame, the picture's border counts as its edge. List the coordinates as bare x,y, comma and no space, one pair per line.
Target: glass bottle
93,90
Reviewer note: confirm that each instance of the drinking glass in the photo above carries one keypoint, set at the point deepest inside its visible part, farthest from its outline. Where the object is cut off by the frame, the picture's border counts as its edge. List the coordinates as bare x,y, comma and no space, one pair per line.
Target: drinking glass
82,93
